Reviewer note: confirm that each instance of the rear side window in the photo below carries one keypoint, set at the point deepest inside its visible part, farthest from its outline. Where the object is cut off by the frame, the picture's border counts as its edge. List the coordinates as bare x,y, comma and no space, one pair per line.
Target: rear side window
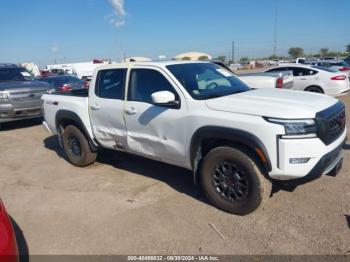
298,71
111,84
145,82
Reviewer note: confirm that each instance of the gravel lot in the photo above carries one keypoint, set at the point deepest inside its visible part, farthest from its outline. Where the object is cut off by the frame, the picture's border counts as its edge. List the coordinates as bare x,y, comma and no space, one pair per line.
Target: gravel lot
127,205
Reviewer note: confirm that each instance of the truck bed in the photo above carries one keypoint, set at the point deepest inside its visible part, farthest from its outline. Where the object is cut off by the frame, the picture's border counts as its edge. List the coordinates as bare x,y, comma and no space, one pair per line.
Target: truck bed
268,79
73,102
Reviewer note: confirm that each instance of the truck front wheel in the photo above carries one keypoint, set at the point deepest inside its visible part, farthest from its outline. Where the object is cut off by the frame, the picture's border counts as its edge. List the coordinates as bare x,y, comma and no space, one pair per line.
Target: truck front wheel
77,147
232,181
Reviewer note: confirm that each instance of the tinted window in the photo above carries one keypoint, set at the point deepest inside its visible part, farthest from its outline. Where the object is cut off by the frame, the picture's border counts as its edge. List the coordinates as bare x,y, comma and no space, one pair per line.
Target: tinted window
342,63
298,71
14,74
325,69
111,84
347,60
207,80
278,69
60,81
145,82
71,79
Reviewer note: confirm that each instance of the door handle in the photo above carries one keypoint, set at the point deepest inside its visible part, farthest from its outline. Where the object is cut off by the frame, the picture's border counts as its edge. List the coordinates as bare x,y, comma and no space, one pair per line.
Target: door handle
131,111
95,107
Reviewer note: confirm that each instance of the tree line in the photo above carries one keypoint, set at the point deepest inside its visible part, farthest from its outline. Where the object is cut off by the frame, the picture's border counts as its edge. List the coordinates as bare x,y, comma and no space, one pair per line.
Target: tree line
295,52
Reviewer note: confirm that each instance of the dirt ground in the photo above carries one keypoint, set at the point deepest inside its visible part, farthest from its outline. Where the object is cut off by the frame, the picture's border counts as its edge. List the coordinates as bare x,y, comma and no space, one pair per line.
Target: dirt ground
128,205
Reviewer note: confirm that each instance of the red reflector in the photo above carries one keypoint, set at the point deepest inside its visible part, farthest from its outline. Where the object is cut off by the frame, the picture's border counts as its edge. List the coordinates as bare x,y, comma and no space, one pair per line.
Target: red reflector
65,88
280,82
339,77
86,84
344,69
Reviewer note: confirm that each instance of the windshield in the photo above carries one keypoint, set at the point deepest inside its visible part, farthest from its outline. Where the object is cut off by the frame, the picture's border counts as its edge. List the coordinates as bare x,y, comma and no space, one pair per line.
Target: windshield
207,80
14,74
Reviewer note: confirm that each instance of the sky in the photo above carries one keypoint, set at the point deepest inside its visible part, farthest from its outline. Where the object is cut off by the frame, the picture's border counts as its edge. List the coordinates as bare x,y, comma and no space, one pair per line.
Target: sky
65,31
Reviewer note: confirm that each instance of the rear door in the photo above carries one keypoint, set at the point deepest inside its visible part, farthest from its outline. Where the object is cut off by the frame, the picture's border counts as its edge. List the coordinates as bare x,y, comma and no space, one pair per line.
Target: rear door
154,131
304,77
106,103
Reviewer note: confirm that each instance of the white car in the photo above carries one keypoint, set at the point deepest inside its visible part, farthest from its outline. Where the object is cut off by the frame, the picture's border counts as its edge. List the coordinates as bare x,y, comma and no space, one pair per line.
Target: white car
264,80
317,79
199,116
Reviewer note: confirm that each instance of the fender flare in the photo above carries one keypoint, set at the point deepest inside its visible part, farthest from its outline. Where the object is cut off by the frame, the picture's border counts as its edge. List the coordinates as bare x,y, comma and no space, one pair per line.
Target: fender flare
230,134
69,115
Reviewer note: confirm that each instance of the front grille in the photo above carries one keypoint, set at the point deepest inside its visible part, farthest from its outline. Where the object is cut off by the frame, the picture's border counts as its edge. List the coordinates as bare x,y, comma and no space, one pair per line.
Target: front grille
25,97
331,123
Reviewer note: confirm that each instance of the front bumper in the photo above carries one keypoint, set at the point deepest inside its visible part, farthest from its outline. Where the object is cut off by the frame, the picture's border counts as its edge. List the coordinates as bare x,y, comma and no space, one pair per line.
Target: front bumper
330,164
9,113
313,149
47,128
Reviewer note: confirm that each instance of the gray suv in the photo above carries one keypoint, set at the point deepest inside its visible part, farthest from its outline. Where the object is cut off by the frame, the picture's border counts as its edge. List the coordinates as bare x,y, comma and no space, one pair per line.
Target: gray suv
20,94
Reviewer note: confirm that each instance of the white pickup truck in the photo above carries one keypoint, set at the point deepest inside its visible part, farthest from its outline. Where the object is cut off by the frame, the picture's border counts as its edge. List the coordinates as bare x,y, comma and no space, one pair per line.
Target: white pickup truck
199,116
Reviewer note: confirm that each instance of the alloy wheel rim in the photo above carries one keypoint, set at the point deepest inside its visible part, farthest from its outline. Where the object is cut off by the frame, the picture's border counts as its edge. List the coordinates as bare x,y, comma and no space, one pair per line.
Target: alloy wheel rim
74,146
230,182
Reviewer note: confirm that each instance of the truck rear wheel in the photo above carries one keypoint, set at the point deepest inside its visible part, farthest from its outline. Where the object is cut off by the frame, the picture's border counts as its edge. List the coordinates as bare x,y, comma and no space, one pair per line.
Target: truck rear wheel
233,182
77,147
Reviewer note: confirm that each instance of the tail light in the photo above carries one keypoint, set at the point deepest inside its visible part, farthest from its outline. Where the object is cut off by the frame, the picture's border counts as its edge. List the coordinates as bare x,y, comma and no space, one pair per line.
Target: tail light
344,69
65,88
280,82
342,77
86,84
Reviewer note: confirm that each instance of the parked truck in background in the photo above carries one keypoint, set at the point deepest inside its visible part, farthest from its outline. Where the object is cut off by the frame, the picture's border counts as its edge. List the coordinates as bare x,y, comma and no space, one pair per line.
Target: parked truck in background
20,94
201,117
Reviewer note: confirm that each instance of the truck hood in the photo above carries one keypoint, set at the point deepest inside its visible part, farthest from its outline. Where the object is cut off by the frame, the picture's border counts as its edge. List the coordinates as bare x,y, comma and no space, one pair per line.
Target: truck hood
22,86
276,103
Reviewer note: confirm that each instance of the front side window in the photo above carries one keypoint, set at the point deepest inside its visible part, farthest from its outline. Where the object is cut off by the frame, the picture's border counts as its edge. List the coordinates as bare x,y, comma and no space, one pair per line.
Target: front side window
145,82
207,80
111,84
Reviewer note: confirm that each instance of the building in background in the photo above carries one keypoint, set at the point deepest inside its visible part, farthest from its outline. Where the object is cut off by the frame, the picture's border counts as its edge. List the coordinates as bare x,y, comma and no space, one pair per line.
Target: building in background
193,56
137,59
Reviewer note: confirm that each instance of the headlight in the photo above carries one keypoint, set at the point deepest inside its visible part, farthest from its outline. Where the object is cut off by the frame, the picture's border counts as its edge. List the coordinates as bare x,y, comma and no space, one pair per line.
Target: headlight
4,97
296,127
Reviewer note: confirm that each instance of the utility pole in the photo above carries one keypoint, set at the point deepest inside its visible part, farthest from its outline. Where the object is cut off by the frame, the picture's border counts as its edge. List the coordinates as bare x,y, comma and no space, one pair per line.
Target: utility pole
233,52
276,22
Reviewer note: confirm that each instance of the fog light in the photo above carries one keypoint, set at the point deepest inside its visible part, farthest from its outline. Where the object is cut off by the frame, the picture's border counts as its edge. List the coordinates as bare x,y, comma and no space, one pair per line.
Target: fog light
3,115
298,160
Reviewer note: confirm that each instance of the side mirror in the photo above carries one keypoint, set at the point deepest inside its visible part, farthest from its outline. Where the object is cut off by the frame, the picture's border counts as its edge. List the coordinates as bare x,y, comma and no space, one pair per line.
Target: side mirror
164,98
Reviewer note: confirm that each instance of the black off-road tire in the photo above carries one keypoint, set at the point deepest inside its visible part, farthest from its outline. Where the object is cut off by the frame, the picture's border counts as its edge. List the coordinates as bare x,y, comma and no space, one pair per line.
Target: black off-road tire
257,188
76,147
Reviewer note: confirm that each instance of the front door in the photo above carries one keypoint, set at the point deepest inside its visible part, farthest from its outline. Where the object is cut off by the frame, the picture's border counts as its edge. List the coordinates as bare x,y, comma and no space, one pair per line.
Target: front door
155,131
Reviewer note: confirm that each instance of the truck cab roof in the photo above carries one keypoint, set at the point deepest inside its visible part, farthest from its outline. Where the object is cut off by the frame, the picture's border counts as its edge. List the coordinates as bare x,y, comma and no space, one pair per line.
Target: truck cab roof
8,65
151,63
